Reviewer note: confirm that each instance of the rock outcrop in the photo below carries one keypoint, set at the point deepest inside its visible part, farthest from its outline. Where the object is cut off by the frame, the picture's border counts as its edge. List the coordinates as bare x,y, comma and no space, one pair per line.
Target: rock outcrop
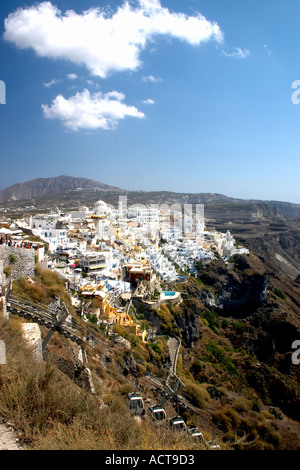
237,290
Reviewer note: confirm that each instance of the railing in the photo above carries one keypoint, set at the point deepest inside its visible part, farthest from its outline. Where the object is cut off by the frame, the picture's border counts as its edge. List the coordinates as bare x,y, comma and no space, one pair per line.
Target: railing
52,317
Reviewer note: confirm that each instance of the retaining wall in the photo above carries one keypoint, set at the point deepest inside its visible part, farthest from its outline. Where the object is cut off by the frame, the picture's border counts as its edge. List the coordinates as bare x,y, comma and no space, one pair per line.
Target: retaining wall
21,259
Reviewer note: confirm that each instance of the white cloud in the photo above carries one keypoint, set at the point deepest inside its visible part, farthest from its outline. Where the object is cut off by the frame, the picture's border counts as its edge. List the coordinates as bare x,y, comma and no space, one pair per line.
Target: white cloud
102,40
86,111
237,53
52,82
149,101
269,51
151,78
72,76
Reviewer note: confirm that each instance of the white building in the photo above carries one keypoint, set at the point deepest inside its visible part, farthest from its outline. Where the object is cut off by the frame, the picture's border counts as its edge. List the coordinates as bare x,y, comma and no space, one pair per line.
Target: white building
96,261
100,208
163,267
55,237
144,215
228,245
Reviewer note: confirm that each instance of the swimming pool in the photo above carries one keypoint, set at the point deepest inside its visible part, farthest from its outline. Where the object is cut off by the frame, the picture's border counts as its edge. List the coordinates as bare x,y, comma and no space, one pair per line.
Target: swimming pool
169,294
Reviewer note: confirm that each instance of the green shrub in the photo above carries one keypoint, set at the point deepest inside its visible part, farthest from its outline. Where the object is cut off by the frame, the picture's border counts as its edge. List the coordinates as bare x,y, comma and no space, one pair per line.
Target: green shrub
198,393
225,323
8,270
276,413
92,318
239,327
242,404
215,392
268,434
197,368
279,294
221,357
44,288
213,320
227,420
256,406
156,347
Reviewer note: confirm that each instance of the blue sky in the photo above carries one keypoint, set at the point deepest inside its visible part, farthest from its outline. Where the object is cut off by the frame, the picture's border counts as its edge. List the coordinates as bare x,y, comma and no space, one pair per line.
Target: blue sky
185,96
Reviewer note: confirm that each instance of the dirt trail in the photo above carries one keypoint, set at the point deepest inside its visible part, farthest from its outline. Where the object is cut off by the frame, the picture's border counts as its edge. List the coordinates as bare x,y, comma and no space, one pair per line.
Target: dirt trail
8,439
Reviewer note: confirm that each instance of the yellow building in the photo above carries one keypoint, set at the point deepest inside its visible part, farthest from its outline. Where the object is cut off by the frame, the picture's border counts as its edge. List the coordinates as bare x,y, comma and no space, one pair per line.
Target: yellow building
112,314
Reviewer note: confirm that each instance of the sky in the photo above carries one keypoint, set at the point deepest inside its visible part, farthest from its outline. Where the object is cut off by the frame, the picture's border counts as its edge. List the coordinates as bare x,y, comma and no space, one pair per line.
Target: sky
171,95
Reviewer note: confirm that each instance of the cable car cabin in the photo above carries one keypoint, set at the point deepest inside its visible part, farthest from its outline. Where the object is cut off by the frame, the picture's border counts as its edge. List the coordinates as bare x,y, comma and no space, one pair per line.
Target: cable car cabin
158,414
135,403
177,424
195,432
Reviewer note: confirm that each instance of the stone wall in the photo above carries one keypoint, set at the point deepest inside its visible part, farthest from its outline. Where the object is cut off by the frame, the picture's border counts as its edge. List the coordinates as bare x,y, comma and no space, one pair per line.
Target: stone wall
21,259
32,334
73,368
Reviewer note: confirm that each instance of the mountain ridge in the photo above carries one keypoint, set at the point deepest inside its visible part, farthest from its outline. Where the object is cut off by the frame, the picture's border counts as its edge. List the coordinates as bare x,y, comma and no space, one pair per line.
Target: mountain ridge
39,187
46,187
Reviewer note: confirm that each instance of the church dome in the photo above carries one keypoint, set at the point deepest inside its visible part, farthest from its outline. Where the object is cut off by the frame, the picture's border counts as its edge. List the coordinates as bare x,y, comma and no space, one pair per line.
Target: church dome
101,208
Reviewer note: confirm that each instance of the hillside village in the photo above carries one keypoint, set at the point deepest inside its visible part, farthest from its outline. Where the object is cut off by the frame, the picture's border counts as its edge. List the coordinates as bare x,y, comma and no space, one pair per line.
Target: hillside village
149,289
150,302
113,255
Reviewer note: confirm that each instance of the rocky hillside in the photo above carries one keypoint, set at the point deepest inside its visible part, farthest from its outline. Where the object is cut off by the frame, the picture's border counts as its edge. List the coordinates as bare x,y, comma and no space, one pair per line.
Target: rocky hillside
237,324
43,187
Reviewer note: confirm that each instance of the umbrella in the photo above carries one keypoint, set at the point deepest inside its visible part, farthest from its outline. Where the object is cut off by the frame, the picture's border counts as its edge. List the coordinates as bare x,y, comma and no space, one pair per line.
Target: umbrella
6,231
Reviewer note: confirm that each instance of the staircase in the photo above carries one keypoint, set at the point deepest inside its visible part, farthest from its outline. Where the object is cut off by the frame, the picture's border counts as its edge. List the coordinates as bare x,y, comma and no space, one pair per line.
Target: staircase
174,346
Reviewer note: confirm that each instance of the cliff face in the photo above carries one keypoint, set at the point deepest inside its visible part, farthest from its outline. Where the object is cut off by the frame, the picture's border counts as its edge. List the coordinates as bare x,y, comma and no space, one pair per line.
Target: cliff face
263,313
236,290
243,307
188,321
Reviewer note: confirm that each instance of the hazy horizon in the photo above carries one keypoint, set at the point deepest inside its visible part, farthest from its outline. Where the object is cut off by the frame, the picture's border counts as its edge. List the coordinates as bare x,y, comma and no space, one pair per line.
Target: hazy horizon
157,190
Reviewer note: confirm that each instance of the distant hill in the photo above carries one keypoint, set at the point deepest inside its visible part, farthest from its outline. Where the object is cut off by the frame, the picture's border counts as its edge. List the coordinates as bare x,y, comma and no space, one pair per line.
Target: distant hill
49,186
84,191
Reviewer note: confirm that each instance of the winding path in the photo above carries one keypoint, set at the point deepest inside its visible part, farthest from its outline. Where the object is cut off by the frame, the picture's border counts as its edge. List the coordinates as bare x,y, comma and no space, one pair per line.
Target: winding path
174,347
8,439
